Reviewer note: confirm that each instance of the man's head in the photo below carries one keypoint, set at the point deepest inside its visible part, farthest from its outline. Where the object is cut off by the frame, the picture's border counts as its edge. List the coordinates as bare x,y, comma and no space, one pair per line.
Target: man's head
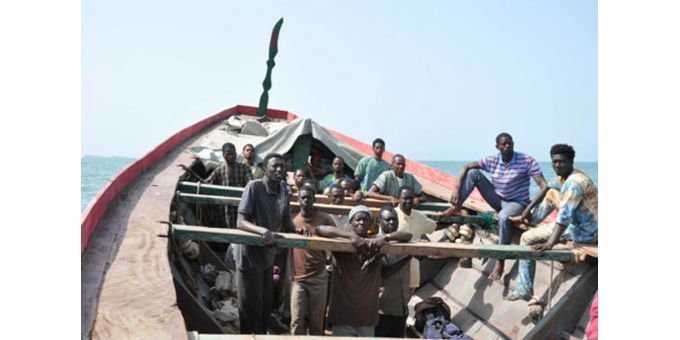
388,219
360,220
562,156
299,178
406,198
307,198
229,153
505,144
346,184
315,158
338,165
337,194
248,151
399,165
378,147
274,167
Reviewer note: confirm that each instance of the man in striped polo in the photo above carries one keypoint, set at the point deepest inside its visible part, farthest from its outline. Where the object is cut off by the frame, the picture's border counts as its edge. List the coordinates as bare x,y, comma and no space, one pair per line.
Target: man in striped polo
508,191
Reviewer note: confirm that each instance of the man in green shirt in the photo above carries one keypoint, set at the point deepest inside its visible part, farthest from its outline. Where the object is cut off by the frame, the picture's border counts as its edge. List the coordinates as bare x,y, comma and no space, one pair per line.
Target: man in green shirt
335,176
370,167
386,186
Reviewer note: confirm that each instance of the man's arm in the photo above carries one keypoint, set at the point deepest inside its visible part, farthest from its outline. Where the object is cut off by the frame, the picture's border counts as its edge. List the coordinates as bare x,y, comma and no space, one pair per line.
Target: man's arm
377,242
455,195
243,223
374,192
329,231
552,241
526,214
389,269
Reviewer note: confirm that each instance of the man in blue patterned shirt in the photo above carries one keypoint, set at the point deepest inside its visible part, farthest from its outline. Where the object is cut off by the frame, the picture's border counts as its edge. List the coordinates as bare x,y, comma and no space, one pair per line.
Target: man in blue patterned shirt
574,196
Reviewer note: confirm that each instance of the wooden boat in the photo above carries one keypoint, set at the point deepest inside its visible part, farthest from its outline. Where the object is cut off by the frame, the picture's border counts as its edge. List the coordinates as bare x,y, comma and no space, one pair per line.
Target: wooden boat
134,280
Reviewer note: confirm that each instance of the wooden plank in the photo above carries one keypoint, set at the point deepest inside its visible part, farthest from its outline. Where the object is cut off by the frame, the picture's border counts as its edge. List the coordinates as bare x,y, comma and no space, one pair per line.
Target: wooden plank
566,313
226,191
327,208
288,240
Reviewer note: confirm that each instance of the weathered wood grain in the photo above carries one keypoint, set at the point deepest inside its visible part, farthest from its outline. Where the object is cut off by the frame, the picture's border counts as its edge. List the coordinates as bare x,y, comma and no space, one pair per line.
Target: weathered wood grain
287,240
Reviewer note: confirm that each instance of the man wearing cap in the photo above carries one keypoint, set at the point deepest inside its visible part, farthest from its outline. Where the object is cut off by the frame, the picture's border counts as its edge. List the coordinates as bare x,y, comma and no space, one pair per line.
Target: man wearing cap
356,276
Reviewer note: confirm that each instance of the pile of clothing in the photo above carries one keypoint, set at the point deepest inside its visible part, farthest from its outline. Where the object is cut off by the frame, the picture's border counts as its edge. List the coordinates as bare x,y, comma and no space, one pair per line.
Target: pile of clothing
433,320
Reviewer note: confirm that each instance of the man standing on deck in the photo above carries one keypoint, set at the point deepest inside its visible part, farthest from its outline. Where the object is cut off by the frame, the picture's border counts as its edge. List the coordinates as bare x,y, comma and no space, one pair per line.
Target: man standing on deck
233,174
265,210
247,159
394,291
415,223
574,196
310,279
508,191
356,277
370,167
386,186
335,176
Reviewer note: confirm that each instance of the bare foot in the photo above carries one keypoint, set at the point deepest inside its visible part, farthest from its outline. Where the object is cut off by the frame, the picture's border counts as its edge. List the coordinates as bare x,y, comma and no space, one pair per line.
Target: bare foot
517,220
497,272
513,297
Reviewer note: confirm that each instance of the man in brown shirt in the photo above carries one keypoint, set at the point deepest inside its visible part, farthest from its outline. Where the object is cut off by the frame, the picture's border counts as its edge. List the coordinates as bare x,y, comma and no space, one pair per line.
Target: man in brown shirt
356,276
310,279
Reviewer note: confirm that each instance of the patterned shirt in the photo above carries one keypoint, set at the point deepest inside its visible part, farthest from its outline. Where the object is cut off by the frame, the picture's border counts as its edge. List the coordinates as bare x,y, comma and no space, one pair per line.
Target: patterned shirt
578,205
388,183
329,180
368,169
511,181
237,175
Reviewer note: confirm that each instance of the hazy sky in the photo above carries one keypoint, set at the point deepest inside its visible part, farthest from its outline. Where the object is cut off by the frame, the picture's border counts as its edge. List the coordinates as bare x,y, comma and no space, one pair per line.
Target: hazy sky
437,80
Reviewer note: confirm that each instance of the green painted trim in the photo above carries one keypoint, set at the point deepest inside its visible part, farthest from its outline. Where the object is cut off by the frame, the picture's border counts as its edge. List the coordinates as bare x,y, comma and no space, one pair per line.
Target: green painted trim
288,240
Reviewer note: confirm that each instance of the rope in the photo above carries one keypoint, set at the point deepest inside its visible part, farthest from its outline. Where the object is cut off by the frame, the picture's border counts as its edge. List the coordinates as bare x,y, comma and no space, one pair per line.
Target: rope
552,266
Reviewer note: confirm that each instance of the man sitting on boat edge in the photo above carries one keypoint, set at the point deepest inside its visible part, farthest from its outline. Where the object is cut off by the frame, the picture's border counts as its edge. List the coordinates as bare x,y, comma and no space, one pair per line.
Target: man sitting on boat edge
508,191
576,203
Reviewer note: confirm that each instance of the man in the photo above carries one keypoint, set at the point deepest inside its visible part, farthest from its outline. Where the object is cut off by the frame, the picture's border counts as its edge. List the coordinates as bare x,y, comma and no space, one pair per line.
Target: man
508,191
310,279
370,167
394,291
335,176
576,203
231,173
336,194
298,180
265,210
356,277
415,223
352,188
386,186
247,159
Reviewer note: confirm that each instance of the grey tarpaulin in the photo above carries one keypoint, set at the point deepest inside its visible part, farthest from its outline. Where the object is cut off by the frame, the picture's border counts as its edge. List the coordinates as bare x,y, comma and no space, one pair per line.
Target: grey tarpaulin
282,141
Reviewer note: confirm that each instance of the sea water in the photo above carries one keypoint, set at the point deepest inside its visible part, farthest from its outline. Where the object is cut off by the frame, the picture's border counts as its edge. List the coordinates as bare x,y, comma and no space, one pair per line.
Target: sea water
96,171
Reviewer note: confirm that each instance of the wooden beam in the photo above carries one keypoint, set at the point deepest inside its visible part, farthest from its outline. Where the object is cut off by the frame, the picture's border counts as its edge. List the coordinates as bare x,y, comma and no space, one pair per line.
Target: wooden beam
327,208
288,240
219,190
566,313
